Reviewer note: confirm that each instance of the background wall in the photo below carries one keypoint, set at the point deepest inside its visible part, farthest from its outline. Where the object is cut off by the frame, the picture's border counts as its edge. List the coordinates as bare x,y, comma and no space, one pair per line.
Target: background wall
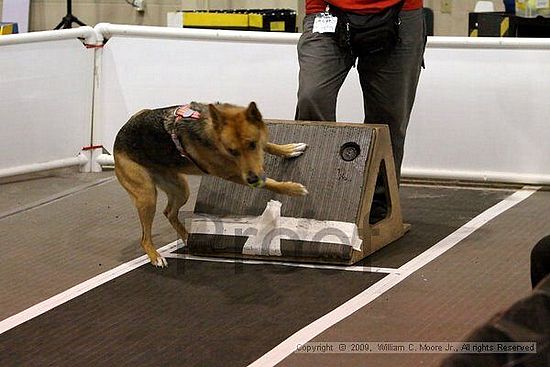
466,123
45,14
46,109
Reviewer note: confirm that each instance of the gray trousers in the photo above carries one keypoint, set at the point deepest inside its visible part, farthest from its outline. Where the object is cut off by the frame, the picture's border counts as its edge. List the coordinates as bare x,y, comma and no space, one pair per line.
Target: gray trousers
388,82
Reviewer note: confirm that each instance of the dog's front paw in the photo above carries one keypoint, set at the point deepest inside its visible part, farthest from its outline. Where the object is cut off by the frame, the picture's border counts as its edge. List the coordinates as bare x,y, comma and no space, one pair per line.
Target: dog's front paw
294,189
159,262
297,149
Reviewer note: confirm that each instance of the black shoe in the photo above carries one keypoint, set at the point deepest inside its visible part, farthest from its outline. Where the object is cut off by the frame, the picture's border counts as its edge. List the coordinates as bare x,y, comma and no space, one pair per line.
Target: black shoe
378,212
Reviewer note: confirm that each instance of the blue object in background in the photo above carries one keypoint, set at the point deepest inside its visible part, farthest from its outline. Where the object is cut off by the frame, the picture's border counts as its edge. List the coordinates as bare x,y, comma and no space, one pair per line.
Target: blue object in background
510,6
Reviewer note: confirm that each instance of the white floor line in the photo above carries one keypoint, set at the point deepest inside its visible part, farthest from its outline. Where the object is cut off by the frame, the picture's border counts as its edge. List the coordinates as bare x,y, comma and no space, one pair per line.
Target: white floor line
288,346
368,269
462,187
77,290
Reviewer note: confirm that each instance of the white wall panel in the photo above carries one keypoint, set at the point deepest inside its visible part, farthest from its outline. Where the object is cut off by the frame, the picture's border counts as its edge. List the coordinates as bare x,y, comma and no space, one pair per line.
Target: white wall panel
45,101
147,73
482,113
481,109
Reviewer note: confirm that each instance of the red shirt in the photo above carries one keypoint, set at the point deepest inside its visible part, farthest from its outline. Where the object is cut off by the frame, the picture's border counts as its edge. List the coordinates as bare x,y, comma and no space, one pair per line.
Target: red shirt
359,6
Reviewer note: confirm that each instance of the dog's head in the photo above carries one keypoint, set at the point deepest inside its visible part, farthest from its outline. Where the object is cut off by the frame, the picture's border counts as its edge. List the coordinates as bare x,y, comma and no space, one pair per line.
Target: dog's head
242,135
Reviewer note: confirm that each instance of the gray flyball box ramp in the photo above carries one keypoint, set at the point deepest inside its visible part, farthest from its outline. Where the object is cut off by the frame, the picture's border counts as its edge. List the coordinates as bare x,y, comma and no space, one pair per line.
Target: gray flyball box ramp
339,169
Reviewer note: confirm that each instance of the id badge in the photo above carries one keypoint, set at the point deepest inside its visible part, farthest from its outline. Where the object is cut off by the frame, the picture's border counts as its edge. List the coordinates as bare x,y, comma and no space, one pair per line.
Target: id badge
325,23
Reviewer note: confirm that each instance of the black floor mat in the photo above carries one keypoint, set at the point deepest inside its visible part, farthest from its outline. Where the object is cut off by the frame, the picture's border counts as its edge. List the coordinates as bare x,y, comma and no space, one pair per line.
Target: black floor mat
220,314
434,212
190,314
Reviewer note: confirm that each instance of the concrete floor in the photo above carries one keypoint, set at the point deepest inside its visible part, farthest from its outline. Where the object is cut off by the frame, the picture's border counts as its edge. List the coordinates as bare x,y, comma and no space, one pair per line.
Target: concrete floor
61,228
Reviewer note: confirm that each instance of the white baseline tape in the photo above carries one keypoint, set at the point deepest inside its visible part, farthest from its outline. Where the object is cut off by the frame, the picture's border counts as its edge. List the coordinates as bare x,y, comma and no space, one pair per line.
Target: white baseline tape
79,289
361,269
288,346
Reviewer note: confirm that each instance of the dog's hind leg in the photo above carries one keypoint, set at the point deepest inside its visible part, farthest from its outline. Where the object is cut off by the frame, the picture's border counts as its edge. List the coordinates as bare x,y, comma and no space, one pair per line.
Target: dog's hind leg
141,187
286,150
177,191
146,206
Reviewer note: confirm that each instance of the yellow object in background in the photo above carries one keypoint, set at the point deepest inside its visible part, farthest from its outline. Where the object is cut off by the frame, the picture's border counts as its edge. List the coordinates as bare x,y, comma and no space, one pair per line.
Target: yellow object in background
532,8
212,20
504,27
273,20
8,28
277,26
256,21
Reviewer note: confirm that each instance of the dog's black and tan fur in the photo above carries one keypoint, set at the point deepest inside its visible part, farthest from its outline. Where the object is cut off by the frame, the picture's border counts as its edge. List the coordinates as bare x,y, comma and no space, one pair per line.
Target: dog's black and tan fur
226,141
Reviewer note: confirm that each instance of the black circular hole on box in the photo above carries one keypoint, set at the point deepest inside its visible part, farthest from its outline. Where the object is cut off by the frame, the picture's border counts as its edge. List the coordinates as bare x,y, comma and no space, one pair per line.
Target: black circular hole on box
349,151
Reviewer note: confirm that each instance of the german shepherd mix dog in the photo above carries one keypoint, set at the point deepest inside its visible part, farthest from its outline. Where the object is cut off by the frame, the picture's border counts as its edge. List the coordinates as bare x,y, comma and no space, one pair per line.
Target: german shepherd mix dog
157,148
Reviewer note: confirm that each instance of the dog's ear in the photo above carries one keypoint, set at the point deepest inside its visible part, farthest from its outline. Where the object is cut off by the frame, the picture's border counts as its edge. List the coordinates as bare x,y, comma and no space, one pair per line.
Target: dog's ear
216,116
252,113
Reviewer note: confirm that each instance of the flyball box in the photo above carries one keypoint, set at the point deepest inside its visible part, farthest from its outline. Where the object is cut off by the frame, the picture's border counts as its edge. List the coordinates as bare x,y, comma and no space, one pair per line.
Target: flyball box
339,169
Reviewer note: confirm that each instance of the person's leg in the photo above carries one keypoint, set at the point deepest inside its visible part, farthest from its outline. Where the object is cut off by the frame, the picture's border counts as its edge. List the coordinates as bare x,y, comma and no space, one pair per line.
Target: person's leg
540,261
389,82
389,87
323,69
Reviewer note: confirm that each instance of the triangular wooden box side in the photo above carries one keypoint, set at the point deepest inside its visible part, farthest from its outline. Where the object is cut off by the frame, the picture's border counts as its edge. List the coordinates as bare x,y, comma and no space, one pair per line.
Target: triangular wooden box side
374,236
391,228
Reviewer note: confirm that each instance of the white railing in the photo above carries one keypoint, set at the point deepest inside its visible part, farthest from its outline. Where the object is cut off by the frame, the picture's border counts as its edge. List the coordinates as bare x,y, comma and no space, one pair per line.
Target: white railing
87,33
79,160
106,31
489,42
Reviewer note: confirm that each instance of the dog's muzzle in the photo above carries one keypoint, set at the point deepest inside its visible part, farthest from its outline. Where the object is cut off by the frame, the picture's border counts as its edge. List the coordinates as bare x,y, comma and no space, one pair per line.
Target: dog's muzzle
253,180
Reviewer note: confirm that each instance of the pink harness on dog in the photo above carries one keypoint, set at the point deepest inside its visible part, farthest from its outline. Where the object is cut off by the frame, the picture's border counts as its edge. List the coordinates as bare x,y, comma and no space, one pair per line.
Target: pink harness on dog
185,112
